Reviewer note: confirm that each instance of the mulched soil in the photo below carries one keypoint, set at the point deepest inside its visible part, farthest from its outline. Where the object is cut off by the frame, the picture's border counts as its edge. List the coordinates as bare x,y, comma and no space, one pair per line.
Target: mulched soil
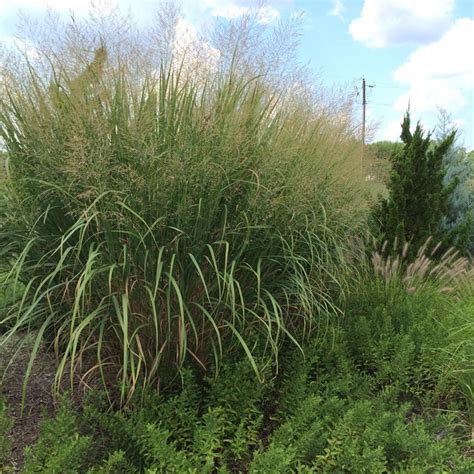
39,400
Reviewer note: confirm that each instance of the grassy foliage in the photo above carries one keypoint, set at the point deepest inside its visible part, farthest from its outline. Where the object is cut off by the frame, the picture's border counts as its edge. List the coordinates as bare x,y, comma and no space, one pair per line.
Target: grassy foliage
446,273
183,234
386,395
159,220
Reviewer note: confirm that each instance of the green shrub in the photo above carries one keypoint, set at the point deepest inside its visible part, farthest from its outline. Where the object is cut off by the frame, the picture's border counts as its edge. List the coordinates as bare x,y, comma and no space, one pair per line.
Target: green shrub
460,352
5,426
327,415
372,438
208,426
60,448
368,399
161,454
335,432
406,340
114,464
276,459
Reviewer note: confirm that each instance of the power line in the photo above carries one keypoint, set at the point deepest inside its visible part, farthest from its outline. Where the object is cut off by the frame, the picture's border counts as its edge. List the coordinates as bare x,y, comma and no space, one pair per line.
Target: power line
384,86
379,103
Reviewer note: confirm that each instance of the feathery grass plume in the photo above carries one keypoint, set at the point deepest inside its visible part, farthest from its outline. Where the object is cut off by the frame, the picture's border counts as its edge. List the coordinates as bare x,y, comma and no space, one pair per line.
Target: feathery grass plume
157,218
449,272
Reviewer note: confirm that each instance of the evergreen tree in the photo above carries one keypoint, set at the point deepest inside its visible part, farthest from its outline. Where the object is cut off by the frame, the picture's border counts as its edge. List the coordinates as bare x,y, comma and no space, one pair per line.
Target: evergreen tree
458,167
418,194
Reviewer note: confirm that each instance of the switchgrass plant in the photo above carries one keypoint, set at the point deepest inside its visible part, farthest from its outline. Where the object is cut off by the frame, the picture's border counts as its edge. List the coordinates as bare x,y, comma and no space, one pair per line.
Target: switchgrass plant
160,220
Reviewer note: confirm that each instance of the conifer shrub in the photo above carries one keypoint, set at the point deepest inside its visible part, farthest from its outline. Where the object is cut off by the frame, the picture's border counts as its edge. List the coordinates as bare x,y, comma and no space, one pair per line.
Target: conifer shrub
419,195
460,210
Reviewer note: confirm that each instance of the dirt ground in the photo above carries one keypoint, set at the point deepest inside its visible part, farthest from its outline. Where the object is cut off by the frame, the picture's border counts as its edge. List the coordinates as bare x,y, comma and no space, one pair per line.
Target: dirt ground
39,401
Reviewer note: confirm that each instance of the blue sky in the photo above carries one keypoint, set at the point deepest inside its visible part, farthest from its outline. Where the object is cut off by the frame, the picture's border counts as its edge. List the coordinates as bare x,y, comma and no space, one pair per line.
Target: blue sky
415,51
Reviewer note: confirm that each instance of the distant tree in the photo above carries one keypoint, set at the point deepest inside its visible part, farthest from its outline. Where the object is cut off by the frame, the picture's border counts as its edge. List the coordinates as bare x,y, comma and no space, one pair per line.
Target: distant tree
460,211
418,194
378,158
384,149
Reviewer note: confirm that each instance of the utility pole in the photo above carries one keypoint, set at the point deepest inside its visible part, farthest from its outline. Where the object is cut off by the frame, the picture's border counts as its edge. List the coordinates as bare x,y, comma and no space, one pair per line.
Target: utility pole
364,104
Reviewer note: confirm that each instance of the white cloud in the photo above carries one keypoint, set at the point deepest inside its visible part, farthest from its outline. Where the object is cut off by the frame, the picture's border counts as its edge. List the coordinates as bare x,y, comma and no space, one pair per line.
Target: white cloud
267,15
443,59
231,9
391,131
228,10
338,9
57,5
196,55
393,22
439,74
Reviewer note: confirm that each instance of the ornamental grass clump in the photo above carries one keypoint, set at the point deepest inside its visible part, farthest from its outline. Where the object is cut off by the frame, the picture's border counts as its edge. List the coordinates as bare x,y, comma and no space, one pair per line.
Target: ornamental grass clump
158,220
447,273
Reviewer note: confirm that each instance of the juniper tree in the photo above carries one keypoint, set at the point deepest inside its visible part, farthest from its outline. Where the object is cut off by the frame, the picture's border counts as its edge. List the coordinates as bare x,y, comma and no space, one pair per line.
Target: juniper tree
460,210
418,195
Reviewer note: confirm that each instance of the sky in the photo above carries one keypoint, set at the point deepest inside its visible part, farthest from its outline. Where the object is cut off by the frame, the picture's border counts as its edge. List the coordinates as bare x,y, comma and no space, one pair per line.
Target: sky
416,52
